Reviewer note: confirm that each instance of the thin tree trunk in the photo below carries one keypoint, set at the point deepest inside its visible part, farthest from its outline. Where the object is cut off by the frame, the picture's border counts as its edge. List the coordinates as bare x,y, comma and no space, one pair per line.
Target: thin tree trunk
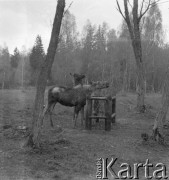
153,80
22,77
3,82
43,75
124,88
128,86
136,43
134,30
141,88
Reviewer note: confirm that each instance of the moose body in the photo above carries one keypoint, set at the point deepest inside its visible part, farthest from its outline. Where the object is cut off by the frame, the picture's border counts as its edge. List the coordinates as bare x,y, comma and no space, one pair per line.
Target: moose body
72,97
67,96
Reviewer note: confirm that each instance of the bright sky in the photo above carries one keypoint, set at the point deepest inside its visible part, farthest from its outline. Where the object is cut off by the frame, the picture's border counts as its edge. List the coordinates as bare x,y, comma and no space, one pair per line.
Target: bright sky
22,20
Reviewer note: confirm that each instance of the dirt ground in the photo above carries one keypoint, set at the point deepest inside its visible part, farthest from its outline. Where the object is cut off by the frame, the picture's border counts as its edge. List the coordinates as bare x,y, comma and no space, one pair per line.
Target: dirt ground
72,154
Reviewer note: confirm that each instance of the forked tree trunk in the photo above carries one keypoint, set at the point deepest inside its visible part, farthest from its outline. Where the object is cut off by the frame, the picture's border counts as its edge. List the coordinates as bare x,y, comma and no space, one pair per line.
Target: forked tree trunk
136,43
134,31
43,75
161,116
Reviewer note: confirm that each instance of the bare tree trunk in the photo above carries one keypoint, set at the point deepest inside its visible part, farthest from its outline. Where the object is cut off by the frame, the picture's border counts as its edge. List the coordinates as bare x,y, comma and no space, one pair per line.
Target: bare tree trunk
43,75
140,88
124,87
128,86
136,43
145,85
161,116
3,82
134,31
153,81
22,76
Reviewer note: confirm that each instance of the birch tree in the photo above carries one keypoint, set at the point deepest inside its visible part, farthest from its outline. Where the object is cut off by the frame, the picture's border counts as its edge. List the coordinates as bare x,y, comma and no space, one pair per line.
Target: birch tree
133,14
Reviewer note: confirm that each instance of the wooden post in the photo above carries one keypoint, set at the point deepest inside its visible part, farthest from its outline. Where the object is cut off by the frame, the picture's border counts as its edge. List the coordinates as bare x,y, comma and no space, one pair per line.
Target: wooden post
108,114
88,114
113,116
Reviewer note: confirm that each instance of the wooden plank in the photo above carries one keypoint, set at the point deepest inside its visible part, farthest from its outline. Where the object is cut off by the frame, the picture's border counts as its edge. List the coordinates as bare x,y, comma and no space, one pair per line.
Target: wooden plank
88,123
101,97
108,114
113,119
95,117
98,98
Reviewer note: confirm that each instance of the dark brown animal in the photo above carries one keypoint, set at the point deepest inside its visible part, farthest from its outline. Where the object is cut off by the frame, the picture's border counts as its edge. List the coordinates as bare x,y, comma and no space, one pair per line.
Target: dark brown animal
72,97
77,78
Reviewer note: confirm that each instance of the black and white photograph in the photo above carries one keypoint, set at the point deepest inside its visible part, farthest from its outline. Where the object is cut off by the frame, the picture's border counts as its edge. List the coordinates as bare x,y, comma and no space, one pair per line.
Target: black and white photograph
84,89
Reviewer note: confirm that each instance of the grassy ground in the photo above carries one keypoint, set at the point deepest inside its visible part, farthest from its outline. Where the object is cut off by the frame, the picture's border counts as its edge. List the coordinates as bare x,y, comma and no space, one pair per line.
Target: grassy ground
73,154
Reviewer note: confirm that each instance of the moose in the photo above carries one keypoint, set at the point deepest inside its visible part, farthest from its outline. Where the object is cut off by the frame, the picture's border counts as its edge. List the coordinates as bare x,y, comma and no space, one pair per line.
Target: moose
72,97
78,81
77,78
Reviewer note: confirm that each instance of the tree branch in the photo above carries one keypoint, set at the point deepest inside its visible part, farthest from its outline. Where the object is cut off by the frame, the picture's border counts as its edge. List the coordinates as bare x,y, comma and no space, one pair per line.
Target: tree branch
119,9
130,4
68,8
143,13
128,20
142,4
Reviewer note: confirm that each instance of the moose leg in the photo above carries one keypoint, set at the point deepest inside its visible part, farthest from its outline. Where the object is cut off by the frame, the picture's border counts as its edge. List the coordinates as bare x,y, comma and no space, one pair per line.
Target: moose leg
82,116
50,112
46,110
76,112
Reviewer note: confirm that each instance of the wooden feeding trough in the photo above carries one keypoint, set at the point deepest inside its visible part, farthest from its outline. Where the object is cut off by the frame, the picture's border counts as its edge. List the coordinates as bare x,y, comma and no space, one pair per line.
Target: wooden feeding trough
109,114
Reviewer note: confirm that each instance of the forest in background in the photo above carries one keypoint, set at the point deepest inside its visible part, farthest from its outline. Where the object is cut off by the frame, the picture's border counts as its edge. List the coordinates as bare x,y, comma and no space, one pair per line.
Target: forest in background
98,52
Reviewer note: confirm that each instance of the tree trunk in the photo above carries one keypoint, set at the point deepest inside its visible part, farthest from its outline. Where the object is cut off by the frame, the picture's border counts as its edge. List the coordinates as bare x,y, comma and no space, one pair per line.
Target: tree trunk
161,116
3,82
124,87
128,86
153,78
42,79
141,88
136,43
134,30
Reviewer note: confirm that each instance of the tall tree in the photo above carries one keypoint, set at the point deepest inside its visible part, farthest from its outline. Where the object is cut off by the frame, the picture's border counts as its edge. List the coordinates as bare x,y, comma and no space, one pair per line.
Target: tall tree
133,23
43,75
65,57
152,29
37,56
4,66
152,38
87,49
100,45
15,58
125,57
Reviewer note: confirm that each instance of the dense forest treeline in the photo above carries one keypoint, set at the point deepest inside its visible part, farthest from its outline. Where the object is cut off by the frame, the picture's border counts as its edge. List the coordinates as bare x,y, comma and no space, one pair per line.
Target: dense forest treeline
99,52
